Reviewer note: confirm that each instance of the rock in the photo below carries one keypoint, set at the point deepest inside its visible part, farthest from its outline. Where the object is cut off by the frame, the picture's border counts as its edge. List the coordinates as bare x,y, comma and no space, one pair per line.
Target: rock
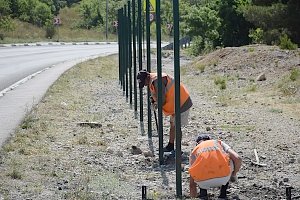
148,154
120,153
110,150
135,150
261,77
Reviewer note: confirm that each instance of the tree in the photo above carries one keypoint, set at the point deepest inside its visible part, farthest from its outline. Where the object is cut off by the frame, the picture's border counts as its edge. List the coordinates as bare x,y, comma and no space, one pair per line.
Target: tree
90,12
276,18
6,23
234,28
203,23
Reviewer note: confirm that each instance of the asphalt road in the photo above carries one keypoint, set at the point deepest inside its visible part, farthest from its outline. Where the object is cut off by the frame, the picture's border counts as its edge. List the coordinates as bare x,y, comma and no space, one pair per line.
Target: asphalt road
26,72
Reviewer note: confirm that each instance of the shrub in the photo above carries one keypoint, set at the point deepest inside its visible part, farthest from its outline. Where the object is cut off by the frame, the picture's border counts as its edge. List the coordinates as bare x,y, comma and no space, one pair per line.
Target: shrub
201,67
295,73
50,29
286,43
6,25
256,35
221,82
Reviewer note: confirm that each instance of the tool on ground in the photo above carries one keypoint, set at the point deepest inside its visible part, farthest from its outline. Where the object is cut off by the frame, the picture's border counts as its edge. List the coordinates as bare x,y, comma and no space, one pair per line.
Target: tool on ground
288,192
144,192
257,160
155,116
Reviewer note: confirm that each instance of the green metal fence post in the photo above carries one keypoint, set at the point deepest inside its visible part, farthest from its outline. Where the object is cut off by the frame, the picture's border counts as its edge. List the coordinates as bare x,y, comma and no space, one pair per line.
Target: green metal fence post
119,45
159,78
126,48
148,66
134,54
122,50
140,54
129,53
177,98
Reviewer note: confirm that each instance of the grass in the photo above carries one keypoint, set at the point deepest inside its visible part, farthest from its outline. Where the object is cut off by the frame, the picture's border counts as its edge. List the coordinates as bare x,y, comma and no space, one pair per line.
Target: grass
66,32
237,128
252,88
200,67
295,74
221,82
290,83
275,110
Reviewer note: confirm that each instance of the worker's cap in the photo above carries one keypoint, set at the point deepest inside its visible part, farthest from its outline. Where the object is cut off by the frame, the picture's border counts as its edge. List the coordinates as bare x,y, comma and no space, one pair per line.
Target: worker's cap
141,77
203,137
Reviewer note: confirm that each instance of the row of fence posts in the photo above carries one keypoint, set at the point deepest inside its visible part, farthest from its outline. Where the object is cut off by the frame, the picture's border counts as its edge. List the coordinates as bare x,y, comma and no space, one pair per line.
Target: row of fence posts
130,37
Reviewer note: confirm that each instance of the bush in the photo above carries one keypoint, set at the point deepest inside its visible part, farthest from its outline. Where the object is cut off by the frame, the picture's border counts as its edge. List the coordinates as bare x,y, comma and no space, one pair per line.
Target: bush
295,74
256,35
50,29
286,43
221,82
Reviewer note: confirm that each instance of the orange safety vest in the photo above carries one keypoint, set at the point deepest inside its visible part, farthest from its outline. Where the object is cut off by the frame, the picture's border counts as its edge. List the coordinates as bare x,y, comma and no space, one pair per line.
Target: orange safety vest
169,106
211,161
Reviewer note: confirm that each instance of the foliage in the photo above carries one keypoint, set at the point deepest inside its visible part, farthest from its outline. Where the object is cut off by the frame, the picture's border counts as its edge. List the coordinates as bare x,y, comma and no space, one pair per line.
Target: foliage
286,43
221,82
202,23
234,27
90,12
295,74
256,35
4,8
6,23
93,13
32,11
50,29
275,18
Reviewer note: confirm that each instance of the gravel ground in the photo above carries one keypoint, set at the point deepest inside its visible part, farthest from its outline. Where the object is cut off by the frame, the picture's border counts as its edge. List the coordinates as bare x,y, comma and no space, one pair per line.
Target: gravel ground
57,153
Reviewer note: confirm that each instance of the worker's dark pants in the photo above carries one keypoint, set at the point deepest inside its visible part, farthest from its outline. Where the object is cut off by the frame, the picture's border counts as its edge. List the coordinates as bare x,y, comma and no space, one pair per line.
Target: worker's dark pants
203,192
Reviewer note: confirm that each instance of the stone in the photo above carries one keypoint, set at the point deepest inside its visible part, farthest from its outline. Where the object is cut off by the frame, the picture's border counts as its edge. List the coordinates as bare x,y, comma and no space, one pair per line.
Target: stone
261,77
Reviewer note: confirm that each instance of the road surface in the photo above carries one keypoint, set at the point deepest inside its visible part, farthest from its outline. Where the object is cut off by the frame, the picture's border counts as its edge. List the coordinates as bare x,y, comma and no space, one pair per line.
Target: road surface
26,72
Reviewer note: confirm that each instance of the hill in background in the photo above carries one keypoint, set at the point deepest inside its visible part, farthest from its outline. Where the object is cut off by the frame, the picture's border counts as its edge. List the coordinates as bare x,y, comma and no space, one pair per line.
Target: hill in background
67,31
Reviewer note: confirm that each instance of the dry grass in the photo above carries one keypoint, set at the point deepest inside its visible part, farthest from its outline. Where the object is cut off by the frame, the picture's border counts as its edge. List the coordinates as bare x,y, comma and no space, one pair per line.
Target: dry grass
66,32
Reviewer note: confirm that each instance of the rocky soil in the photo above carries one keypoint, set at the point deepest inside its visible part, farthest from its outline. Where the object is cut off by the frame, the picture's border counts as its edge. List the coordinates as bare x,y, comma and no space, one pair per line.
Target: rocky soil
244,96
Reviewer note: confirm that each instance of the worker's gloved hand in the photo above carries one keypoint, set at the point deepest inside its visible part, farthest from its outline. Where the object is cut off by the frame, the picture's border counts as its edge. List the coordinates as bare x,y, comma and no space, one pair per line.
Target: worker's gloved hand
154,106
233,179
152,100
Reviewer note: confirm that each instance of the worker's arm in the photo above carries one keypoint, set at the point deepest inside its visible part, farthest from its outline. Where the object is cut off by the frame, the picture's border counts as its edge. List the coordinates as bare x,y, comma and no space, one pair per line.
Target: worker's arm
193,185
237,161
155,83
193,188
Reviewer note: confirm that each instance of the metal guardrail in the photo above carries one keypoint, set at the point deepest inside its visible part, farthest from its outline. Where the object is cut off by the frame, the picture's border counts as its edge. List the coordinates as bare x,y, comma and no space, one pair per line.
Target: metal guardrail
183,43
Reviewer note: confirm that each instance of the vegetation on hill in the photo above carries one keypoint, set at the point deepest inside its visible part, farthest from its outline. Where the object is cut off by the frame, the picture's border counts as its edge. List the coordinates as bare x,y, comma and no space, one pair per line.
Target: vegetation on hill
209,23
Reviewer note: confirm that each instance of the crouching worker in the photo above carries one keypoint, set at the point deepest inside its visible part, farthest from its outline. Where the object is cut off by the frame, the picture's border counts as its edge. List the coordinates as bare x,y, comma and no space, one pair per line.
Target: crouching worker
212,164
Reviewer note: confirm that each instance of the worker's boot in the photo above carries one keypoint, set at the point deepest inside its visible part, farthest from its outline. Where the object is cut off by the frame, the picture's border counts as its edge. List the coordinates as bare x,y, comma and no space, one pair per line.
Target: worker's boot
223,192
169,148
203,194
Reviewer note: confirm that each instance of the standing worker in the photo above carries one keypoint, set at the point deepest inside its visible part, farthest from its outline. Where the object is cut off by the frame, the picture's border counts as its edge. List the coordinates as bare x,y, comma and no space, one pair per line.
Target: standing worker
168,100
212,164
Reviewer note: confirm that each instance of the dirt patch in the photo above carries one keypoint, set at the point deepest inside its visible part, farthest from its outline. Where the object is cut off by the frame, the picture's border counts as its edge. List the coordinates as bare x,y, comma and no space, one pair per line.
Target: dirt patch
51,156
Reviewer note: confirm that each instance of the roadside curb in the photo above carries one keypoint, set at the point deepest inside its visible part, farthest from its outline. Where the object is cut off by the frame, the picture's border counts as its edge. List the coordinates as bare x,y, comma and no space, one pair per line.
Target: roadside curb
55,43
